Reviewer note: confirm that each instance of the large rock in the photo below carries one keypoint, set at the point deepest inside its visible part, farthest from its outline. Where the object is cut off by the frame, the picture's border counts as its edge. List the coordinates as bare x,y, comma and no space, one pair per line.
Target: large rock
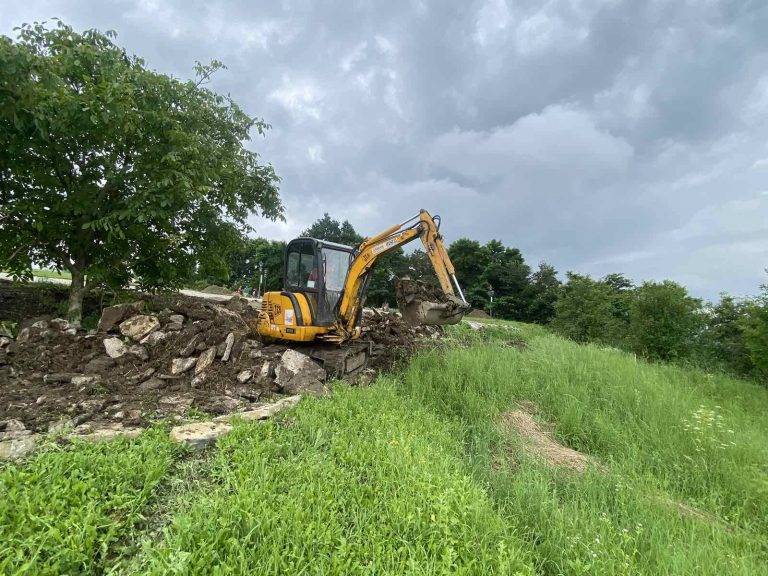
180,365
205,360
113,315
199,434
297,373
109,432
139,327
262,412
17,447
114,347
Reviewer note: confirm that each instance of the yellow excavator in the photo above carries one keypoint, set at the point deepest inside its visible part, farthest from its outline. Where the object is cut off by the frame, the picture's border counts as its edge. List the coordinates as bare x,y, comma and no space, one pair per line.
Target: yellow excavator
324,293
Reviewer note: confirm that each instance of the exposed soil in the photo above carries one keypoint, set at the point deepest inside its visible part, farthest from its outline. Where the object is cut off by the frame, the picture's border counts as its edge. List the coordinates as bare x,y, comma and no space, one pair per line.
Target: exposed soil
540,442
52,374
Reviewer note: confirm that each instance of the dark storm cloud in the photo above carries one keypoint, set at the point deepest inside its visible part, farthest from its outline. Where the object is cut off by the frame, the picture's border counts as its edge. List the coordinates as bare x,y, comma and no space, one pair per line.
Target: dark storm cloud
600,136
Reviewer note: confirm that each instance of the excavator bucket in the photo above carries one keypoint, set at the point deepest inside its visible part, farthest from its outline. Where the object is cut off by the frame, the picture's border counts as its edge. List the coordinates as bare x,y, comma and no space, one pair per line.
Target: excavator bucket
422,304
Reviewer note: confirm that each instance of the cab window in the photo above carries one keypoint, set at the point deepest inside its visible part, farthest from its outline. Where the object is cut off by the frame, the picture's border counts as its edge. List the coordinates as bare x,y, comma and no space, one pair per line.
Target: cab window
302,267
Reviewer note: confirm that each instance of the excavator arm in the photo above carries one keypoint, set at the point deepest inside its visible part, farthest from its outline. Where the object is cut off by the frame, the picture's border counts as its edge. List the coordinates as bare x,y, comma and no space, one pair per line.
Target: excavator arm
423,226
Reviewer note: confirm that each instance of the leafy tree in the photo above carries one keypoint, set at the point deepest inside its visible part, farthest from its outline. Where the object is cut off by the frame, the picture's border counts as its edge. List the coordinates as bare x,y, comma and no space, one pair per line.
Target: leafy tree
543,293
584,311
252,255
755,326
722,341
111,170
663,320
507,274
326,228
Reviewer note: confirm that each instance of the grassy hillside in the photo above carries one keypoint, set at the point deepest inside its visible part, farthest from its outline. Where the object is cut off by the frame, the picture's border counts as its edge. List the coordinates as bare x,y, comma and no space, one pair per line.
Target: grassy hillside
416,475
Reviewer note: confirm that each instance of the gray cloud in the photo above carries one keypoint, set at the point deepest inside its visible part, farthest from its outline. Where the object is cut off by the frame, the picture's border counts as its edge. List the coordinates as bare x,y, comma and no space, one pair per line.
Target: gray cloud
600,136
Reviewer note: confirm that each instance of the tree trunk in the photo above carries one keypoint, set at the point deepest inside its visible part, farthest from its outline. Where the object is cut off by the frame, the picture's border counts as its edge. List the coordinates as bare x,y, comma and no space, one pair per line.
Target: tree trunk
76,293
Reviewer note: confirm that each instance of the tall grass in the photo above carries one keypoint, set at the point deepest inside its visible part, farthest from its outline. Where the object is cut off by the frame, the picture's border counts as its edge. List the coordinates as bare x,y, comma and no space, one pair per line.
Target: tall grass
686,454
364,483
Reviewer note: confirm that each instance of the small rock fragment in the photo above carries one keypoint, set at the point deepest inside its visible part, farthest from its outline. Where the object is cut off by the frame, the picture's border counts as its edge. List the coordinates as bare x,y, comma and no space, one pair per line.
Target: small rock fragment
100,364
4,341
114,347
154,338
475,325
176,319
189,347
16,448
59,377
263,412
180,365
151,384
139,351
244,376
84,380
59,324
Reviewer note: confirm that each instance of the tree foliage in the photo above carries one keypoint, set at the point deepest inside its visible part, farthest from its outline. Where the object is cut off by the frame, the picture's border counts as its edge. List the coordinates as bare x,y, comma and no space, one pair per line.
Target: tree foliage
111,170
755,326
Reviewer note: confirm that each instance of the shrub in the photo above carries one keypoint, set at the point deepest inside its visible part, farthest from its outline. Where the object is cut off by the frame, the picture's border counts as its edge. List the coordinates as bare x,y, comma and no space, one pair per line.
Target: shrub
755,325
663,320
586,311
721,343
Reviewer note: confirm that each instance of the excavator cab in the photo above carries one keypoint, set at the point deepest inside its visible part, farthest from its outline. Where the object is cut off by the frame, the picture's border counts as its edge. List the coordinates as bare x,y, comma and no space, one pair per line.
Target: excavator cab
317,269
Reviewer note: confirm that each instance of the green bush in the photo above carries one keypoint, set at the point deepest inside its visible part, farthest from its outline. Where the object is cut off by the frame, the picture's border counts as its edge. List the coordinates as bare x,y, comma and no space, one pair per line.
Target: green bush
663,321
590,311
755,325
721,342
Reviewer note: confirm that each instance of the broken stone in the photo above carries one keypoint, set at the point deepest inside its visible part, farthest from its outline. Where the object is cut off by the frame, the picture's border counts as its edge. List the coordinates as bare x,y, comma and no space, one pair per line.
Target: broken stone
114,347
59,324
151,384
132,417
17,447
180,365
59,377
112,315
60,425
40,325
4,341
176,319
154,338
175,403
475,325
229,342
262,412
139,327
109,432
199,434
173,327
199,379
84,380
205,360
24,335
297,373
244,376
139,351
221,404
189,347
100,364
141,376
70,331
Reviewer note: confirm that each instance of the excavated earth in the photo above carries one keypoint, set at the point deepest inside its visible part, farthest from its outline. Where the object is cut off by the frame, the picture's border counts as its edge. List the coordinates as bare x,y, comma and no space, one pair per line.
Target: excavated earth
167,357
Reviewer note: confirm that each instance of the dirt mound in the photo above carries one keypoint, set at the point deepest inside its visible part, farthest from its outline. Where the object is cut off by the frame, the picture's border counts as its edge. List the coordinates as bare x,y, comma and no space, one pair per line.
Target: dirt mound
541,443
165,357
220,290
393,340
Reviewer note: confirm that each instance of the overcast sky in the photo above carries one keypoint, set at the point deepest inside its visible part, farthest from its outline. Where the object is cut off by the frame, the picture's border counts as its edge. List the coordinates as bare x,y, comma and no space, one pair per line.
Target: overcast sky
598,136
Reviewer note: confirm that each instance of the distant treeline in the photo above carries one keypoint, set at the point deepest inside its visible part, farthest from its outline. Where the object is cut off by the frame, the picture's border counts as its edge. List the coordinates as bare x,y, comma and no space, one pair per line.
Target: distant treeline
656,320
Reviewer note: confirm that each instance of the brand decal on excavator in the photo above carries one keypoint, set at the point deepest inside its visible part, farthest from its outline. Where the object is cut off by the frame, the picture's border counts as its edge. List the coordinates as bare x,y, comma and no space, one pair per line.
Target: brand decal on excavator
379,248
288,316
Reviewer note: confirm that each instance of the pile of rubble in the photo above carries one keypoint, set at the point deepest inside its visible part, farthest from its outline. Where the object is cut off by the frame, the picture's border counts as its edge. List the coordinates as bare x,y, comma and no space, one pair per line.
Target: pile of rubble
163,359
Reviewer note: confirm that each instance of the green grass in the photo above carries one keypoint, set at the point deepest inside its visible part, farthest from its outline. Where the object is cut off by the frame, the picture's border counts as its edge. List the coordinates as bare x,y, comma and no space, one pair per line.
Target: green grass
415,476
62,511
45,273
